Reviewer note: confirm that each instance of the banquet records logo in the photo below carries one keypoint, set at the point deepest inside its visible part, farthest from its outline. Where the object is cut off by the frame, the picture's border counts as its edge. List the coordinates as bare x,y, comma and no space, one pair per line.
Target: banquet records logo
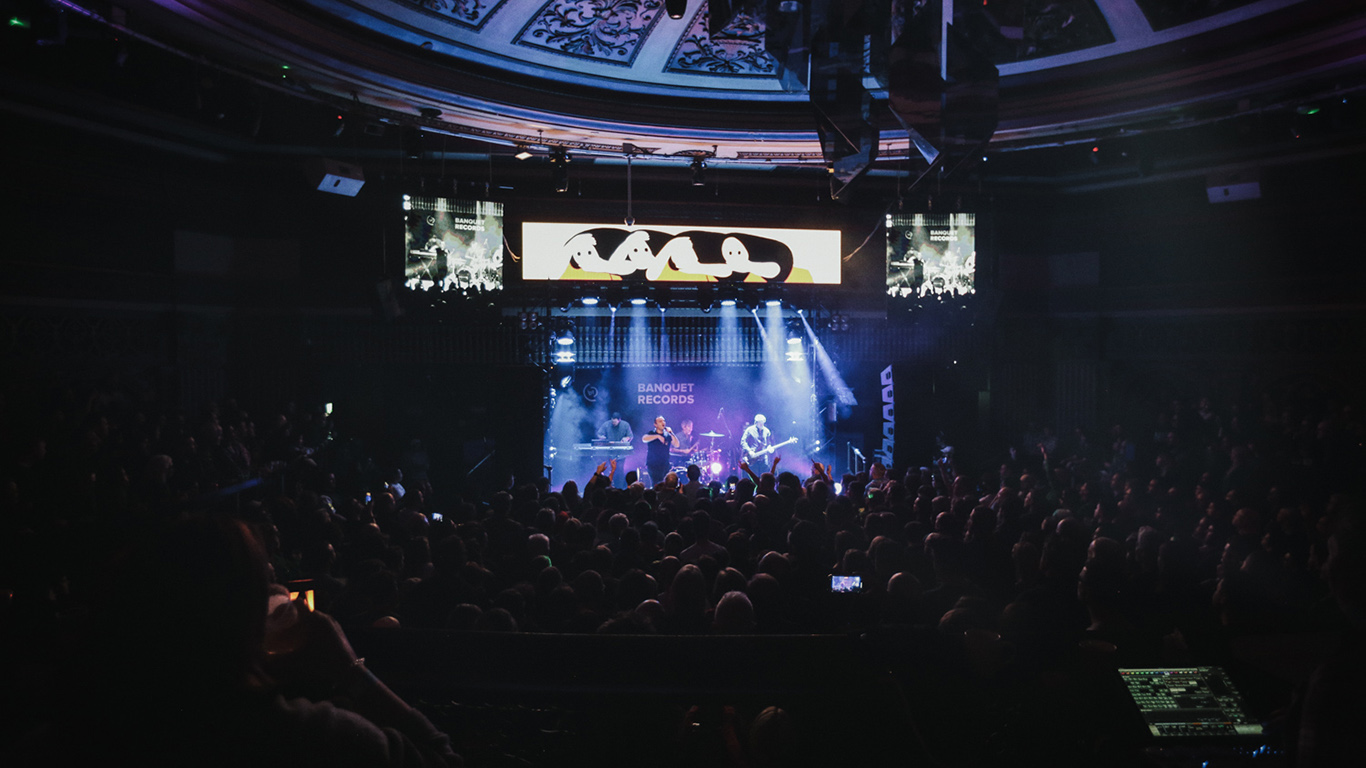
884,454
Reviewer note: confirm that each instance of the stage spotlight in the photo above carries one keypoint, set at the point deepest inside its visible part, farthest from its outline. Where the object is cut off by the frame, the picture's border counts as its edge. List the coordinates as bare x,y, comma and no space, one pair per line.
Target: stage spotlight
590,301
564,356
559,169
773,303
637,302
675,8
727,302
699,175
523,153
562,332
794,332
716,467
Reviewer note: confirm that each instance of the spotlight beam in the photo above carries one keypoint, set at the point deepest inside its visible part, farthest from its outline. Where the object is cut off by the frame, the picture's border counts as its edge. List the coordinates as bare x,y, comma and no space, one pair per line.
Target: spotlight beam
843,394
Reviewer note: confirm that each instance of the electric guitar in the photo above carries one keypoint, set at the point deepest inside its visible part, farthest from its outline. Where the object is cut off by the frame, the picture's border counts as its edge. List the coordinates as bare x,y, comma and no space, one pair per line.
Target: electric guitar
764,453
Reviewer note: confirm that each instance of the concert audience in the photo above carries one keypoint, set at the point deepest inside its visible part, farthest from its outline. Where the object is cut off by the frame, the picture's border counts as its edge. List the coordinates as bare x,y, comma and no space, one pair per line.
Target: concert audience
1158,551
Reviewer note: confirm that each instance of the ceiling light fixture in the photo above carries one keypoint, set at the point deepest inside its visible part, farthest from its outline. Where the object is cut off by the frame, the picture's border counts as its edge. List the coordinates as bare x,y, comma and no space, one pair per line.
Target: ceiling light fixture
699,177
559,169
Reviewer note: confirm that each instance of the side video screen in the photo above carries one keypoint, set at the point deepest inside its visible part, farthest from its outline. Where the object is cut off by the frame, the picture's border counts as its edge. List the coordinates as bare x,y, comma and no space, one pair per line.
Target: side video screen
931,254
452,245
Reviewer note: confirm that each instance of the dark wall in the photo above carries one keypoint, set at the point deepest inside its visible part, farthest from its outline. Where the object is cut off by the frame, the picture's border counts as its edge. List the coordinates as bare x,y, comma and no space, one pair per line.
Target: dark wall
1298,242
1188,295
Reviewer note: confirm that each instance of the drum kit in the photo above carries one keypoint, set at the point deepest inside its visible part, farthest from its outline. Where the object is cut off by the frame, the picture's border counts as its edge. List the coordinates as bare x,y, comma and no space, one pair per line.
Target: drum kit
709,458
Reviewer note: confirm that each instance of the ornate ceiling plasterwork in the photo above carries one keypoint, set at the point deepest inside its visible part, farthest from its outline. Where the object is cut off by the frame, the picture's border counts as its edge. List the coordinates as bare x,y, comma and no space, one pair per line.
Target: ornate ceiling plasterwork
596,75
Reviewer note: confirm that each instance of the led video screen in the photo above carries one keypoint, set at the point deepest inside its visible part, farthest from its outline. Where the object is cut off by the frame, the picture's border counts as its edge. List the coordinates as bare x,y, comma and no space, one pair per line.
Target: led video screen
931,254
452,245
605,252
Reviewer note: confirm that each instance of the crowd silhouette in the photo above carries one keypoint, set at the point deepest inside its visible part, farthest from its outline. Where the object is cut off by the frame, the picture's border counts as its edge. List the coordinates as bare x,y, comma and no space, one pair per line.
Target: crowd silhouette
143,547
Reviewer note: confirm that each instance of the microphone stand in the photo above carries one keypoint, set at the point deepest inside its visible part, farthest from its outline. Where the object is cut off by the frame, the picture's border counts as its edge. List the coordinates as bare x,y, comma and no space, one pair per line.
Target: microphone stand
854,458
730,439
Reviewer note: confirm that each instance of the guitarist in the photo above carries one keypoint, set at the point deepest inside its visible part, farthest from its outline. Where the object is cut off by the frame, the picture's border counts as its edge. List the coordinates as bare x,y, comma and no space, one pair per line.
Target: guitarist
756,440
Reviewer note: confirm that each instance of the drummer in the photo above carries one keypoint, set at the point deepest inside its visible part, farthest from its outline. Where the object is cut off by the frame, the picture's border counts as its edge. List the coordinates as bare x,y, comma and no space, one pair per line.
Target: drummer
686,442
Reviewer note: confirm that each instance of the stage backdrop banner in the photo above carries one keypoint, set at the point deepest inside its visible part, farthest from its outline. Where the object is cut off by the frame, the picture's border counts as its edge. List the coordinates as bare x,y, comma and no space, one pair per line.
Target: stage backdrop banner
605,253
720,401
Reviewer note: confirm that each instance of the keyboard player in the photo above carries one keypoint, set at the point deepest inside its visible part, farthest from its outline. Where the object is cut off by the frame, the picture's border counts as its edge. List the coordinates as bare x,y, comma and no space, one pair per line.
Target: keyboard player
615,430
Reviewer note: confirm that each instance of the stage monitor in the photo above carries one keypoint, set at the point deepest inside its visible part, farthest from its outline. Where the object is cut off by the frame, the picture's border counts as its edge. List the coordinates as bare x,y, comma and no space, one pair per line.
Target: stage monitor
1190,703
658,254
931,254
452,245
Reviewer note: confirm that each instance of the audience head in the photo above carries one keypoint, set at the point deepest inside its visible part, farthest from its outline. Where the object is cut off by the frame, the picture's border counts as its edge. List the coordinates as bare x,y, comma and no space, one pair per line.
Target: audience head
734,614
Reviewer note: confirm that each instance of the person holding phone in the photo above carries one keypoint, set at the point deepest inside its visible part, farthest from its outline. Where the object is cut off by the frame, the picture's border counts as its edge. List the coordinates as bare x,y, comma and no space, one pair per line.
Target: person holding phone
197,658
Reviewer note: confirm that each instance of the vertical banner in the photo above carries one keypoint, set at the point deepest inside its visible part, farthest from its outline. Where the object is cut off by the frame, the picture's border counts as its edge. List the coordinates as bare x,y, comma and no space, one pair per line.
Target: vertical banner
885,453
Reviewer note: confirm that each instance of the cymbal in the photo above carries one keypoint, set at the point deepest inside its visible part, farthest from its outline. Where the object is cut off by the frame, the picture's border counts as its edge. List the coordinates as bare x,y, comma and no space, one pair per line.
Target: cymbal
711,434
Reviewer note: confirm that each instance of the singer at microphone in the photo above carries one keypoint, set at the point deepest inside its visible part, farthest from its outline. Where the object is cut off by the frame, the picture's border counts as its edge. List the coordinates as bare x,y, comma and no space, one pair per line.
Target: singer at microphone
657,443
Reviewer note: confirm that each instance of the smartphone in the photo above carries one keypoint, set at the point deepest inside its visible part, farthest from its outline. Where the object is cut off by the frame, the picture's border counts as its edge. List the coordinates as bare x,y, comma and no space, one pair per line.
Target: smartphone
846,583
436,517
327,409
304,589
367,497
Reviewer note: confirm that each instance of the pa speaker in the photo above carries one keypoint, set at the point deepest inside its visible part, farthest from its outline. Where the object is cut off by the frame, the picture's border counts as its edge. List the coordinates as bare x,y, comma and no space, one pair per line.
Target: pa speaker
338,178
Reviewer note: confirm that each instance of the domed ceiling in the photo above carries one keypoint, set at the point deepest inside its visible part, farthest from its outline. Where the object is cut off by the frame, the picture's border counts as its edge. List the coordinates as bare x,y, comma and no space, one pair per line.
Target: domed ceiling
845,84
